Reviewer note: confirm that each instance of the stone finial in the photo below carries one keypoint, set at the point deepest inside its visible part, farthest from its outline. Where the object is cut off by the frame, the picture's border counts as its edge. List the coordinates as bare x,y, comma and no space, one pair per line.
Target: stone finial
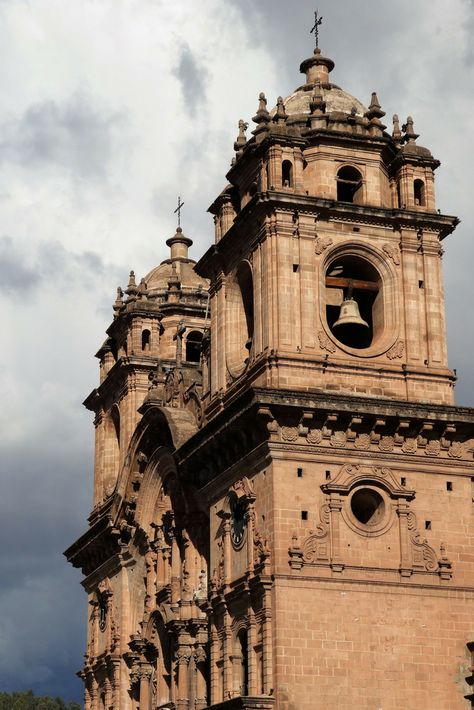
396,133
374,114
408,129
280,115
317,104
375,108
131,289
142,289
241,139
118,302
262,115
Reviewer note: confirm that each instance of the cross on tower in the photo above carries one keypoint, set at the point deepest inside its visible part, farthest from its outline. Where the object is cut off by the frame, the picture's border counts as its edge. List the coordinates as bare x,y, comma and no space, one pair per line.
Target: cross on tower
315,28
178,210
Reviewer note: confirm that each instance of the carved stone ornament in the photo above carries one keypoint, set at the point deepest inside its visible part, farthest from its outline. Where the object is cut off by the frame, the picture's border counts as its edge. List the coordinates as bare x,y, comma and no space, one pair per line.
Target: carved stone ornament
321,244
173,387
386,443
339,439
433,447
393,253
424,557
289,433
315,436
409,446
325,343
362,443
244,490
456,450
396,351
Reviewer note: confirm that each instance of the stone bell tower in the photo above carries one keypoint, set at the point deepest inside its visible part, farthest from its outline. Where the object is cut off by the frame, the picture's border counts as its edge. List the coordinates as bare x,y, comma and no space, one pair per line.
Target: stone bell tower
285,518
339,473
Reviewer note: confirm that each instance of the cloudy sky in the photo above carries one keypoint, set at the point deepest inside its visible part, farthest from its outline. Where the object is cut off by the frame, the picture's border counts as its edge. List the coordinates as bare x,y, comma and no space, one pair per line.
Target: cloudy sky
109,109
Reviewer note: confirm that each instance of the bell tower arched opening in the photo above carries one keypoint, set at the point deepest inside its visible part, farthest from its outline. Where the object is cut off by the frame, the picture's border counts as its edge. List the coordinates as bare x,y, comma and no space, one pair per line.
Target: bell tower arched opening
349,185
354,310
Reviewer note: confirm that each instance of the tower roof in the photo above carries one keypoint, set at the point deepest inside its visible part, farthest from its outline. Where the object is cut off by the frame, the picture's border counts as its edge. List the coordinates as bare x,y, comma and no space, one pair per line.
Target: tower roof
317,69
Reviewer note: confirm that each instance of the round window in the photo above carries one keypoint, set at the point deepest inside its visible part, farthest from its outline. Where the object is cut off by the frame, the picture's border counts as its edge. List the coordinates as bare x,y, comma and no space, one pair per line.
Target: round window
368,507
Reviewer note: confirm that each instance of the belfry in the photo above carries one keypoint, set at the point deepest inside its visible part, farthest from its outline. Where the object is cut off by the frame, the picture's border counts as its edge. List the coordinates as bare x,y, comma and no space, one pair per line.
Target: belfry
283,497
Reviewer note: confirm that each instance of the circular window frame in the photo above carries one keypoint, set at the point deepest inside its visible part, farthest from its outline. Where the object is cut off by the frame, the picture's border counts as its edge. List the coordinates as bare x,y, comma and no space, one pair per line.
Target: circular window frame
386,520
378,260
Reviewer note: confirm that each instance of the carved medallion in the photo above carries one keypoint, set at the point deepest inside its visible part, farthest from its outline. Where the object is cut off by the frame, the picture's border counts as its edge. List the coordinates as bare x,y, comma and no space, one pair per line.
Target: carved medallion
315,436
289,433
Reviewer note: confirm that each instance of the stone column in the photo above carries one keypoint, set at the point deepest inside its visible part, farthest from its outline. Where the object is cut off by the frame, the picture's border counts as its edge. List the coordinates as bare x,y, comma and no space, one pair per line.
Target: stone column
252,659
183,656
201,684
145,675
403,511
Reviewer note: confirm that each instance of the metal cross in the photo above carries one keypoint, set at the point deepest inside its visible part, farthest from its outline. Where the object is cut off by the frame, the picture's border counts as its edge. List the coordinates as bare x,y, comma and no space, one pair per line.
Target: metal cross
315,29
178,210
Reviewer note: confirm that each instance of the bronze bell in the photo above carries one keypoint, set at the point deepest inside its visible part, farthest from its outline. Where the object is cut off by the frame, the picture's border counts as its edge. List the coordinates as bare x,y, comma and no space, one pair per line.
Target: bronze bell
350,314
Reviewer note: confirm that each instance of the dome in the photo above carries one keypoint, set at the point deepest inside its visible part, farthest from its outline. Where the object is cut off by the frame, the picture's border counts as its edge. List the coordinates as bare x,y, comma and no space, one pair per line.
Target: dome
298,103
178,268
336,100
159,277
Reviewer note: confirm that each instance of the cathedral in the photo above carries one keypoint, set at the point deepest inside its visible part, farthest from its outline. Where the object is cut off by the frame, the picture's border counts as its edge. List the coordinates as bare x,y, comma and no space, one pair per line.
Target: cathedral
283,490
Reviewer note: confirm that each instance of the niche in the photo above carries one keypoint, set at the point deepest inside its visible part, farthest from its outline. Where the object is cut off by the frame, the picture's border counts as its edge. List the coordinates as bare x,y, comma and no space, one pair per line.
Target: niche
354,301
349,185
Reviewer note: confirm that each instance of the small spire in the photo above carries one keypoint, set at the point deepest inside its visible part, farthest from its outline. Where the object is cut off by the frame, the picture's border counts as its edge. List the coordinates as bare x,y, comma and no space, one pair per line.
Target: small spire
262,115
118,302
375,110
131,289
396,133
317,68
241,138
280,115
408,129
142,289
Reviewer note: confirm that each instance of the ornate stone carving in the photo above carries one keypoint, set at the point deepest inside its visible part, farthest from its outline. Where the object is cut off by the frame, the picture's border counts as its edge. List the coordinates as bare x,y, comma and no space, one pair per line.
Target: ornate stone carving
392,252
386,443
433,447
325,343
321,244
339,439
424,557
396,351
315,436
456,450
289,433
409,446
362,443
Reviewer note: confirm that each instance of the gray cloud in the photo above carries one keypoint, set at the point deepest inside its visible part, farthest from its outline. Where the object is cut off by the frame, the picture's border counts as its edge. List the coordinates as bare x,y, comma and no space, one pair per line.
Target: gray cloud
49,262
192,76
73,135
15,276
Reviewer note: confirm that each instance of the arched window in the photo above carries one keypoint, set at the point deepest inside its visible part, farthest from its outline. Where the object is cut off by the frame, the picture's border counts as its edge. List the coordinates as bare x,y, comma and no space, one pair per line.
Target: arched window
239,311
146,339
349,185
193,346
419,192
287,173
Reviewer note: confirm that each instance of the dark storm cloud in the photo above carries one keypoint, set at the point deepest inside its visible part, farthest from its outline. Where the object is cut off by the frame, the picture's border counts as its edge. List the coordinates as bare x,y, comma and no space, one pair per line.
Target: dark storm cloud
43,606
73,135
192,76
